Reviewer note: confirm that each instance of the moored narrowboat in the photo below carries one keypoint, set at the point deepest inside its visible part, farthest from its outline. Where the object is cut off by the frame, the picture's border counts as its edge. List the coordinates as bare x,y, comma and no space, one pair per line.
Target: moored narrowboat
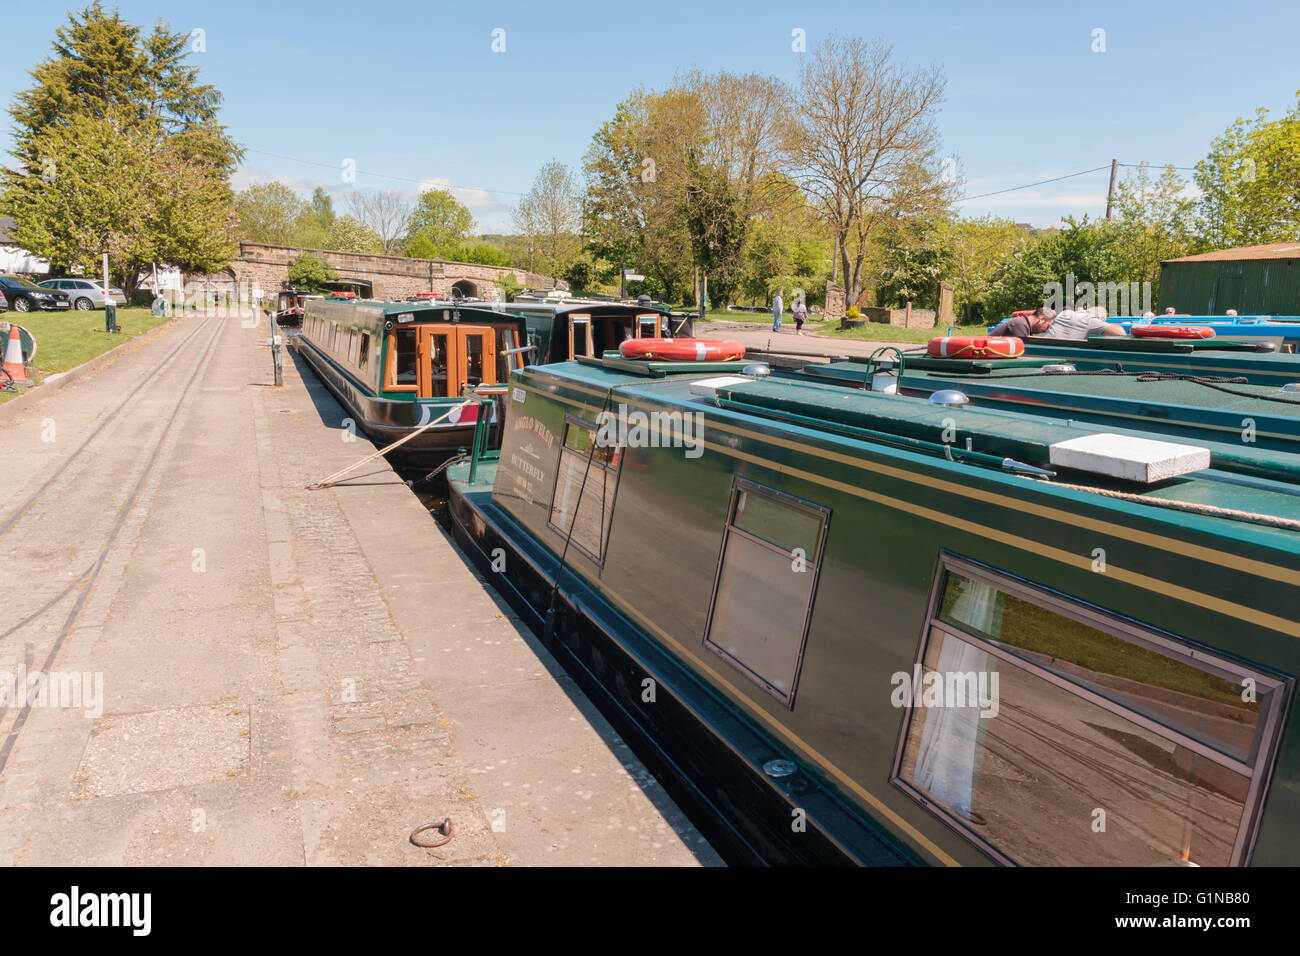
854,626
398,367
562,329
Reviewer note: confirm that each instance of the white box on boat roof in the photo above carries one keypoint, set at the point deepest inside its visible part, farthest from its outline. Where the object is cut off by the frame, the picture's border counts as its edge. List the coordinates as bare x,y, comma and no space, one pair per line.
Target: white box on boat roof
1130,458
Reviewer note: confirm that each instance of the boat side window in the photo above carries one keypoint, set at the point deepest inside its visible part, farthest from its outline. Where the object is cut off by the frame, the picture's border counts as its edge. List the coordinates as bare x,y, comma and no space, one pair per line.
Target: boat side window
364,357
402,358
1050,733
582,503
765,585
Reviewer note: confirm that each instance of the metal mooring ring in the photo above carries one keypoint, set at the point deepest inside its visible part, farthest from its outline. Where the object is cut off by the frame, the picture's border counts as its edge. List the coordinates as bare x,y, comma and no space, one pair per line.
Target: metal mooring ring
445,828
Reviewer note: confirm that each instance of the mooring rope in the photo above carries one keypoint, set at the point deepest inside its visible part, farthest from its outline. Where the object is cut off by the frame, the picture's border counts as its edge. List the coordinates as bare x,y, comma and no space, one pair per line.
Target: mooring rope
331,479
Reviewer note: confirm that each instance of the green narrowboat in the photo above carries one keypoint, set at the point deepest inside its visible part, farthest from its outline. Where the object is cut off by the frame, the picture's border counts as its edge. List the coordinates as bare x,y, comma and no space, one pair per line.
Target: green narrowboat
849,626
562,329
397,367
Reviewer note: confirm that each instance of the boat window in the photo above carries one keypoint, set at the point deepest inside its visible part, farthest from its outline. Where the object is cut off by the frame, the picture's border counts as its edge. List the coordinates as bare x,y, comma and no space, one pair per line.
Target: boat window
579,335
1052,734
473,360
402,358
364,359
765,584
438,364
583,501
507,339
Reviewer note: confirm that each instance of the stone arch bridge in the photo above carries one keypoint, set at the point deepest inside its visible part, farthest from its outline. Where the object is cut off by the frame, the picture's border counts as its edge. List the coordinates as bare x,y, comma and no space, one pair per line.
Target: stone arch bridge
263,269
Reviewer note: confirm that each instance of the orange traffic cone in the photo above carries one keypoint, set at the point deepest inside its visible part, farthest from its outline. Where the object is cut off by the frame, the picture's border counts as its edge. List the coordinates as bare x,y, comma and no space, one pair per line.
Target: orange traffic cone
14,357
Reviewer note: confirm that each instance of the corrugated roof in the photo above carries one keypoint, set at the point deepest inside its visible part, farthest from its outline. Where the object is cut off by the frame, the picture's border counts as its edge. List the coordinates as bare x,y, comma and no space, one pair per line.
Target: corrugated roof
1272,250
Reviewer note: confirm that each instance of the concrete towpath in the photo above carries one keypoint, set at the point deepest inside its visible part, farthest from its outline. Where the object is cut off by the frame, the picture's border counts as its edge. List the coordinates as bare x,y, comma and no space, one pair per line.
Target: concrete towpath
241,671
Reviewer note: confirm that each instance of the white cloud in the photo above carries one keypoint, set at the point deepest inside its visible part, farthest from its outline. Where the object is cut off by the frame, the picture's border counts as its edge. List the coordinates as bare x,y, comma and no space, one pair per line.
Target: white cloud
476,199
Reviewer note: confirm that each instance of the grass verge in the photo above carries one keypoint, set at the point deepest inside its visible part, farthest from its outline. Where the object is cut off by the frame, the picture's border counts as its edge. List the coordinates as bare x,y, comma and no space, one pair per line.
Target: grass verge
65,340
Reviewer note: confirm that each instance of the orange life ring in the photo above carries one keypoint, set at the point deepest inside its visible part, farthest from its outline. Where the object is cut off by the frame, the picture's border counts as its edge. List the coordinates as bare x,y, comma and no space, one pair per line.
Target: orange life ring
682,350
976,346
1172,331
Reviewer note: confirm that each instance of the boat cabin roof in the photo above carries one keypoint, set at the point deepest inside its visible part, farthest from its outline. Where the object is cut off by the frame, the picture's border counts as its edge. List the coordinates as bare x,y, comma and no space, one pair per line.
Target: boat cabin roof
1047,451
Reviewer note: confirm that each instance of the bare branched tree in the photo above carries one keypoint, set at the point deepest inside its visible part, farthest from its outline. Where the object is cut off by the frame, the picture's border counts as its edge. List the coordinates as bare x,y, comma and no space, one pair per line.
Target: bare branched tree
385,212
862,142
550,216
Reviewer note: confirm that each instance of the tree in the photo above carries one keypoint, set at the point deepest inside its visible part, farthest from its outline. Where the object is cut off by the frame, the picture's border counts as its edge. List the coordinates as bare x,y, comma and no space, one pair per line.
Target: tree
309,272
550,215
620,180
102,63
272,213
119,150
348,234
440,219
1250,182
862,141
974,250
1157,222
118,189
386,213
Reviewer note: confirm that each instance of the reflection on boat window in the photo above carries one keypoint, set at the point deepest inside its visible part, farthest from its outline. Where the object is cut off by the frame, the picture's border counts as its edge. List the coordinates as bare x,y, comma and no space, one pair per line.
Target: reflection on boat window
404,363
365,350
473,360
583,500
438,364
1051,741
766,580
1172,690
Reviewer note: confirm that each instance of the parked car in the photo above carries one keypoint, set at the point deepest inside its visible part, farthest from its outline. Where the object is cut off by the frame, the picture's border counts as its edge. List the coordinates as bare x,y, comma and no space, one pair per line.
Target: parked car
26,296
86,293
4,303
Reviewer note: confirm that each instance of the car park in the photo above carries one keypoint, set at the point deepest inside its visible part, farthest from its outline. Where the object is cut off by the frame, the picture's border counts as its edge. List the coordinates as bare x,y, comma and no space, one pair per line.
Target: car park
86,294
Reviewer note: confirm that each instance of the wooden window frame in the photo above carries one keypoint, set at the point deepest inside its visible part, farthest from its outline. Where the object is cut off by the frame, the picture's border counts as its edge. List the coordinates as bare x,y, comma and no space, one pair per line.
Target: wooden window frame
654,317
581,318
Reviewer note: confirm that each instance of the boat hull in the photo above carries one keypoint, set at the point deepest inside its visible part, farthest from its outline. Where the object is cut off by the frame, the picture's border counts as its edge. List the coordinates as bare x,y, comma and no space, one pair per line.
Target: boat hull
710,761
385,421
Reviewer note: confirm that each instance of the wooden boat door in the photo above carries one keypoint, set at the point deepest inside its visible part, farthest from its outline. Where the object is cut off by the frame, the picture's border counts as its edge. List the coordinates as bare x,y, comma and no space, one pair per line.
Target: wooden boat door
476,345
453,357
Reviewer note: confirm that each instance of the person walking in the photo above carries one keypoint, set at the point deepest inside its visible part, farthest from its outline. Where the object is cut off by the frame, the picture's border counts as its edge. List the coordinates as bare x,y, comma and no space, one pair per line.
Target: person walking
800,312
778,306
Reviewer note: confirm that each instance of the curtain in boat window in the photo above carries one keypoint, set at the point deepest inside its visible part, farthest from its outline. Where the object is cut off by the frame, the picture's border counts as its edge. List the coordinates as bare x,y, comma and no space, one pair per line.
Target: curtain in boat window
948,758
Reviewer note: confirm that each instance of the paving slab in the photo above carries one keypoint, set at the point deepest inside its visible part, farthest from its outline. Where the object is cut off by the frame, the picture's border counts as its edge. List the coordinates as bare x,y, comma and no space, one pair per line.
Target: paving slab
290,677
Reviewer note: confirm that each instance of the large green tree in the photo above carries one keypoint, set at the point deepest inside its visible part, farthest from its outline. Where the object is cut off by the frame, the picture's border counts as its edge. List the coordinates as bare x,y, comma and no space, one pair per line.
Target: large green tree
441,220
272,213
1250,182
112,114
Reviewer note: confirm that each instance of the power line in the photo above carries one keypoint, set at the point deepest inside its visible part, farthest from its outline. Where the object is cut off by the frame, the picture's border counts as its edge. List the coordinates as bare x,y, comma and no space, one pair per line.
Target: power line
1084,172
1041,182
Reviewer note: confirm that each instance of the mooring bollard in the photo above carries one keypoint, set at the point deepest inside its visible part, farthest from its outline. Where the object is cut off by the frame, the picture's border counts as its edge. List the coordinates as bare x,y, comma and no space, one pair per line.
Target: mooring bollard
275,352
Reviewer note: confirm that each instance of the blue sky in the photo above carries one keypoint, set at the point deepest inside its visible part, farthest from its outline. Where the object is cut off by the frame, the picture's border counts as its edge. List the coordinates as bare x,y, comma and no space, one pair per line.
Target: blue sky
415,92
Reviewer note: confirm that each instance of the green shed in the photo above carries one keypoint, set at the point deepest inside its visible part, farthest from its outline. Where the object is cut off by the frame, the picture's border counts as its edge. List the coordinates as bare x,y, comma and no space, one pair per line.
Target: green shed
1254,280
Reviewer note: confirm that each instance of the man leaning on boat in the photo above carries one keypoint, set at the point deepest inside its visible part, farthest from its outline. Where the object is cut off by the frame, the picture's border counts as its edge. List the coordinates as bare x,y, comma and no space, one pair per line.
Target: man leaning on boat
1068,324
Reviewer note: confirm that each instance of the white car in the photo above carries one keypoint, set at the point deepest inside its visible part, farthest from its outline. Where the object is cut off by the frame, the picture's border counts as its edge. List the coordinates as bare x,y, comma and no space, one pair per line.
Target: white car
85,293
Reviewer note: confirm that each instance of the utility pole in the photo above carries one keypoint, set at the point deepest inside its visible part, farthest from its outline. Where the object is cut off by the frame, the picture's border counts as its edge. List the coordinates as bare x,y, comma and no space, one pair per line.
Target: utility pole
1110,193
622,280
